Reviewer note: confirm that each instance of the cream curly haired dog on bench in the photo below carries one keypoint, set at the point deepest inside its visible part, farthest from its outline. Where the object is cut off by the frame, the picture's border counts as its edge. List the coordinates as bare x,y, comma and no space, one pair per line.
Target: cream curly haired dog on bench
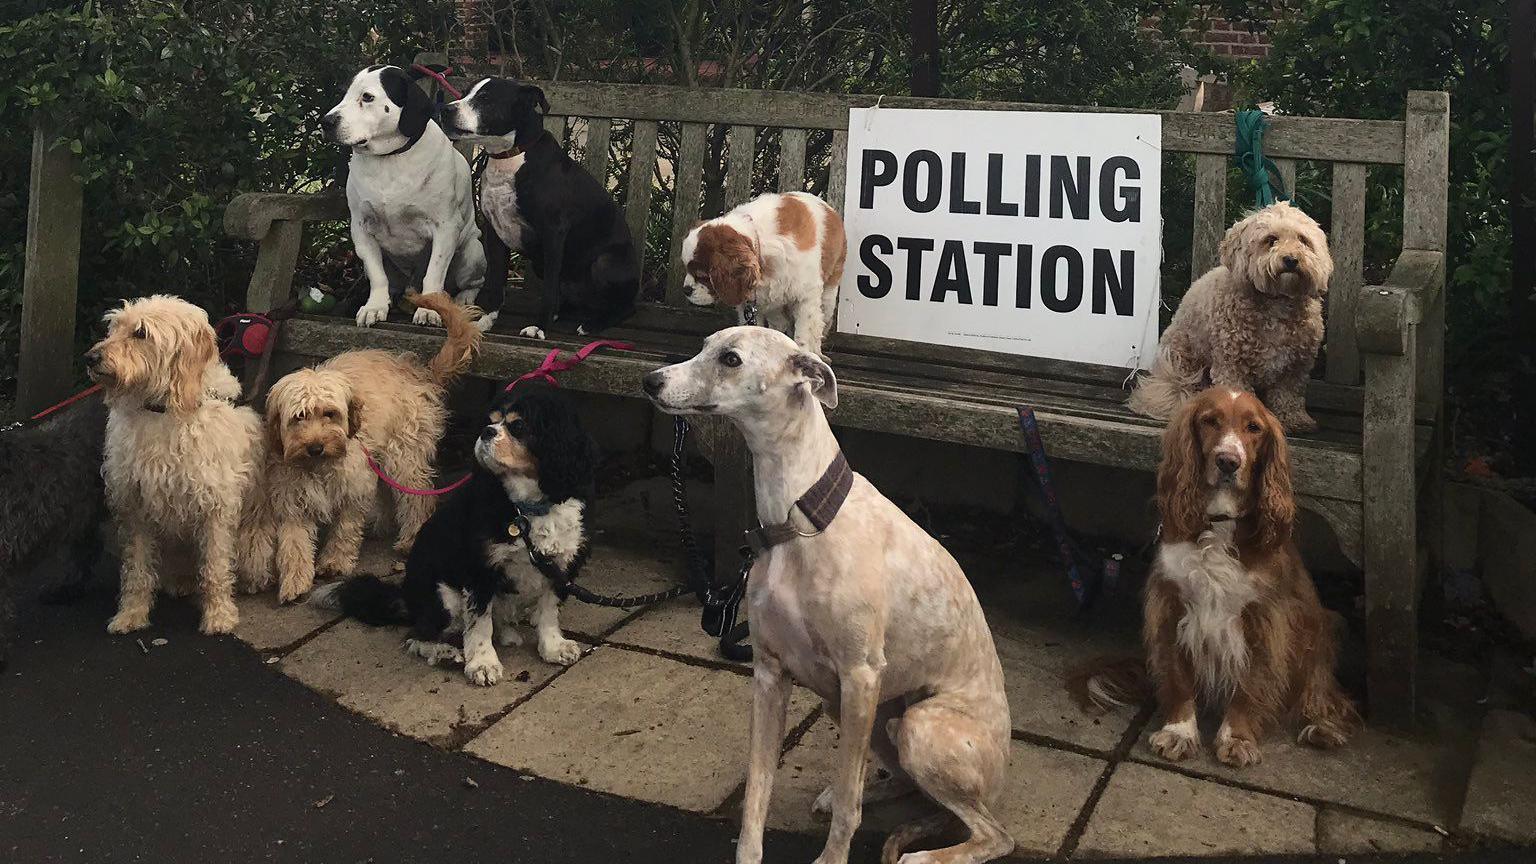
1252,323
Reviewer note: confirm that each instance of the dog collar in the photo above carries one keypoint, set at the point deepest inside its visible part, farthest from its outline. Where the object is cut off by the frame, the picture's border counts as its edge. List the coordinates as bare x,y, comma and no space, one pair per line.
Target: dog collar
521,510
507,154
409,143
819,504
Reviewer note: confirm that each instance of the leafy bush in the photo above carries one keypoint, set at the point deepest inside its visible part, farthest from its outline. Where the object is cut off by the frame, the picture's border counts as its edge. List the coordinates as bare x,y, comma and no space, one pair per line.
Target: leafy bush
175,108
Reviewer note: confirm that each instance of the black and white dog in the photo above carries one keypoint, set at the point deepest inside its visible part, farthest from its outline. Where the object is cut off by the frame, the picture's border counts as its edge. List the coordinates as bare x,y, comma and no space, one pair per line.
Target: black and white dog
539,202
410,197
488,553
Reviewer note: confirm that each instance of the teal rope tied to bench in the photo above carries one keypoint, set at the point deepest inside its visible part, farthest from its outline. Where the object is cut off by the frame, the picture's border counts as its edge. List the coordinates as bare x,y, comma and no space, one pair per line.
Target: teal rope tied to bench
1263,176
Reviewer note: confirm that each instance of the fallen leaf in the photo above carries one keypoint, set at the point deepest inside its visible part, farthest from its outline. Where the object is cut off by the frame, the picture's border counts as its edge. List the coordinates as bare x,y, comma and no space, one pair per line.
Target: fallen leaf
469,783
324,801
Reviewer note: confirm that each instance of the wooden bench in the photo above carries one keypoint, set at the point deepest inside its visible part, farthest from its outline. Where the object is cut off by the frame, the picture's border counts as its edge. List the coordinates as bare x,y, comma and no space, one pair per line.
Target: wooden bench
1378,402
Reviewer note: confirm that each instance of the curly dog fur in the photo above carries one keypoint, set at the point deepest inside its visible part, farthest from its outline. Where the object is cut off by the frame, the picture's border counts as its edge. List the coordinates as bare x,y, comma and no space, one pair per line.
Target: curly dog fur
179,455
318,423
51,505
1253,323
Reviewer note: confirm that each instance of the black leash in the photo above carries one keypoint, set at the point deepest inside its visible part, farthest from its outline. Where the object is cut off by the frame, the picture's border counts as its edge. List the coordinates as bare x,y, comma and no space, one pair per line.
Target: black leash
1073,558
721,602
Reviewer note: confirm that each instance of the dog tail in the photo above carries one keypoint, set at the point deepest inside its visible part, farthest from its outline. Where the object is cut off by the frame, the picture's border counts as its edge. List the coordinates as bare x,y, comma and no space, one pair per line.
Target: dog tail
369,599
463,336
1159,394
1105,683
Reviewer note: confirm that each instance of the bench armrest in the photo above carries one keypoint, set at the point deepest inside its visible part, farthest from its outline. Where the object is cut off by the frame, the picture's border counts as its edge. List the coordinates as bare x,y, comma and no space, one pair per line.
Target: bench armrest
250,216
1385,312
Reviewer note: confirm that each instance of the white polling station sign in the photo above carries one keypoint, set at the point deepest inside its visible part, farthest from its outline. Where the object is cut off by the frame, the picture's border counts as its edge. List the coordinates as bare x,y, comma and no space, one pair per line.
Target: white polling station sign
1029,232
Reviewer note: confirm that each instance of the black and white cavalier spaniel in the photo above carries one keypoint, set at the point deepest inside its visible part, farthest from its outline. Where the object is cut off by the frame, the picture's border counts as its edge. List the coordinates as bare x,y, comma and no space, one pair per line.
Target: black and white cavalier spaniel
493,550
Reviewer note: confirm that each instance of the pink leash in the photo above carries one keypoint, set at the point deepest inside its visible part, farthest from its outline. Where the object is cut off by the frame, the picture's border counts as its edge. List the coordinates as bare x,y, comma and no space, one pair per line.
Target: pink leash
547,370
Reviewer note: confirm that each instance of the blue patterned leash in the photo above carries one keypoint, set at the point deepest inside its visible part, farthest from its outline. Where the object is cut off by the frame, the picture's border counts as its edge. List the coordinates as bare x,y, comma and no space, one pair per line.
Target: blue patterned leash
1083,589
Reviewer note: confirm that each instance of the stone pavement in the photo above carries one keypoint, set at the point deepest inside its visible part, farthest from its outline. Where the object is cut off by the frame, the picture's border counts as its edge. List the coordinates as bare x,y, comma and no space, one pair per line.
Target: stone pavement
651,713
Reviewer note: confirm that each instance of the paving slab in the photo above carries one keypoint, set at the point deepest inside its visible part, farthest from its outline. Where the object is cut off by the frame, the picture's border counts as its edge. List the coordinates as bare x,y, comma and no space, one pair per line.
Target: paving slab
635,725
1501,795
619,572
1036,661
365,669
1045,789
672,627
267,625
1340,833
1408,777
1146,811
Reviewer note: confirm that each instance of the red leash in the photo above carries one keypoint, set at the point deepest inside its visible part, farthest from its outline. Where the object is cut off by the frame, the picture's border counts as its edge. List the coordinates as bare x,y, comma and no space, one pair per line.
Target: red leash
66,403
440,77
547,370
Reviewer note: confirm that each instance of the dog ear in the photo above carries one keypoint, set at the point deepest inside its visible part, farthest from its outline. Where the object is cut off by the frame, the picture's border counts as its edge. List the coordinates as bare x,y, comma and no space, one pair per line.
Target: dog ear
1181,478
537,95
1233,254
415,107
814,371
187,365
354,415
566,454
272,427
1276,501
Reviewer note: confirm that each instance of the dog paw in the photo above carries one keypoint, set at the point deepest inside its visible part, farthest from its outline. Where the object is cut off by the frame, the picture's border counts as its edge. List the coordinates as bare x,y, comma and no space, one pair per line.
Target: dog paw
292,593
128,620
486,321
483,671
335,568
435,653
1322,735
427,318
1174,745
372,313
219,618
1238,751
531,332
562,652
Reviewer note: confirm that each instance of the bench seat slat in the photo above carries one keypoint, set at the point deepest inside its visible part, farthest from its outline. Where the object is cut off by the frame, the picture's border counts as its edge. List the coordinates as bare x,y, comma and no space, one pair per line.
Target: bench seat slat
1323,469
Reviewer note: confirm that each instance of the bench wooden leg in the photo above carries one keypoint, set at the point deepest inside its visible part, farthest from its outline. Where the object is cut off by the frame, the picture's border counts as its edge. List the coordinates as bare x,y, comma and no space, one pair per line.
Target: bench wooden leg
272,277
1390,537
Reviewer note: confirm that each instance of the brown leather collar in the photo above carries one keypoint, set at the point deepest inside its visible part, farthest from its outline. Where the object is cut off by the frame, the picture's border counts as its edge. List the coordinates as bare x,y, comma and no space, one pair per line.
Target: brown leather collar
820,505
508,154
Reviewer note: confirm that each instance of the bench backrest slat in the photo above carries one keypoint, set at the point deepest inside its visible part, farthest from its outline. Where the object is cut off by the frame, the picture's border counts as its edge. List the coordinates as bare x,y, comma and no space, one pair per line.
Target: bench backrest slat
642,177
792,160
1210,210
1346,240
740,142
837,176
599,133
688,184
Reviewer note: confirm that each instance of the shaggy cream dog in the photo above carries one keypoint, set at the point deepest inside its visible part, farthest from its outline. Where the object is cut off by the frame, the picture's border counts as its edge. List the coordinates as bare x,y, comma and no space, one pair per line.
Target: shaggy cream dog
321,424
1252,323
179,457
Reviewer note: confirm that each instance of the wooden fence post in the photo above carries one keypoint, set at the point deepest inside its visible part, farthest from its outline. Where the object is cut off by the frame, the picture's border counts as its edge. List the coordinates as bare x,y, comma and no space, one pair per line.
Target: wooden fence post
51,276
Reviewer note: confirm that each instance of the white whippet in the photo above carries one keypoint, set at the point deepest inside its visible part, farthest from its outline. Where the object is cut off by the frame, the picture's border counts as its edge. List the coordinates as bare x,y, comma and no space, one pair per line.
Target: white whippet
871,613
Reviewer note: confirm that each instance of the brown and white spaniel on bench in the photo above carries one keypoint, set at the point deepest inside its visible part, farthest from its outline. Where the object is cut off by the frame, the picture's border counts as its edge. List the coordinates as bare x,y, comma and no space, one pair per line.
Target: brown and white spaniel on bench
784,252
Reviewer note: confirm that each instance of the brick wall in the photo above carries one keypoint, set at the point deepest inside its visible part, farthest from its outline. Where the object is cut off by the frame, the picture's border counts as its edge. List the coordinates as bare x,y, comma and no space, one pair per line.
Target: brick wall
1224,38
472,41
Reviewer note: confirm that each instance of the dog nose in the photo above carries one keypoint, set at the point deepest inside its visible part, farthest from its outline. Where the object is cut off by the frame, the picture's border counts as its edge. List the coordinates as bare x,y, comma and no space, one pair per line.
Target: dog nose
93,358
329,121
488,433
652,382
1289,261
315,449
1227,463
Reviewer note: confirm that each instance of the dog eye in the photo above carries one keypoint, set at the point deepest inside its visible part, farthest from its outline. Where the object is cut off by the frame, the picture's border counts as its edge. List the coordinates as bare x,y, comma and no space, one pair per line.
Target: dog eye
1271,239
1254,427
731,359
367,97
330,414
141,333
1210,420
517,428
1306,243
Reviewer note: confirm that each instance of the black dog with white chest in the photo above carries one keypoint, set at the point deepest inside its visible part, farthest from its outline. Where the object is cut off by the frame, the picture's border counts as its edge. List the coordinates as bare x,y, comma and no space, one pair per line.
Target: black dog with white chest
541,203
490,550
